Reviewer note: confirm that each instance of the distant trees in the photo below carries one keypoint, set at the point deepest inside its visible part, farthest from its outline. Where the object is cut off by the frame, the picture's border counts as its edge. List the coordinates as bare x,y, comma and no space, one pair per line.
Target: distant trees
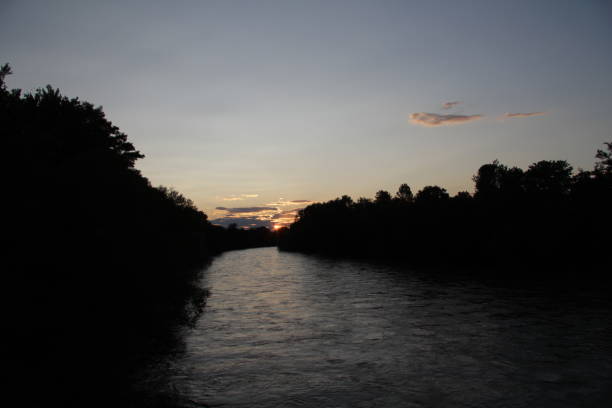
495,180
404,193
544,178
382,196
239,238
462,196
549,178
546,216
604,166
431,194
488,179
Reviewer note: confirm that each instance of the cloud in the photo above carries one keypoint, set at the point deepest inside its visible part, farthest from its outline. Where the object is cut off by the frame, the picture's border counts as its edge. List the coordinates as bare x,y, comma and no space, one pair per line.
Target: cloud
246,217
286,214
449,105
435,119
522,115
240,210
285,218
283,203
239,197
270,215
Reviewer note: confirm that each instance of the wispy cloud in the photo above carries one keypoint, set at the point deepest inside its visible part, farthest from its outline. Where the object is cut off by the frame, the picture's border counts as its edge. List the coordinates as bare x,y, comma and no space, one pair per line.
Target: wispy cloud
435,119
285,218
239,197
522,115
289,214
276,215
243,210
284,203
281,203
449,105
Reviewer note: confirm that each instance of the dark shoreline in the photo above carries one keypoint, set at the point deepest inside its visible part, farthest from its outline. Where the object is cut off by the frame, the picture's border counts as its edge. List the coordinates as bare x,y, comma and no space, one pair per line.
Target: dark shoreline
553,276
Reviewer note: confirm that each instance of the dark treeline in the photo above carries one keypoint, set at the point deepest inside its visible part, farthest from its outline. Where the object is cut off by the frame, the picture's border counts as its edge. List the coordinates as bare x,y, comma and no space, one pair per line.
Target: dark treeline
233,237
544,216
102,266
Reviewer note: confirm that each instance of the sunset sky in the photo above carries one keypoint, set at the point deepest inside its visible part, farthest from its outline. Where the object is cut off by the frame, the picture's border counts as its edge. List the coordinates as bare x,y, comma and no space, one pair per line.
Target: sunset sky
256,108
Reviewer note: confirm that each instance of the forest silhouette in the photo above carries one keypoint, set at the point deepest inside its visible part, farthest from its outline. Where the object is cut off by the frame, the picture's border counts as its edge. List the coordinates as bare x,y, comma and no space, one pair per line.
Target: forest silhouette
545,221
102,266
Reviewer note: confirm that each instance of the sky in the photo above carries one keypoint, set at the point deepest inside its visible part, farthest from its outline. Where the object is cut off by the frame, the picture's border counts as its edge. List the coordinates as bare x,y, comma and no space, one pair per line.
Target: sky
256,108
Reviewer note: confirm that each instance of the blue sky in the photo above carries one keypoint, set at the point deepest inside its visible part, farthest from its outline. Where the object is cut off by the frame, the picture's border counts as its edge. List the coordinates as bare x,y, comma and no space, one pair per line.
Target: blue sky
238,104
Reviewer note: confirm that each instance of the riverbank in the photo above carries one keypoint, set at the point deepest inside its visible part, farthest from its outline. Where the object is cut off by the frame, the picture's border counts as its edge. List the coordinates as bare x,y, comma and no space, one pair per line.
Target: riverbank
554,276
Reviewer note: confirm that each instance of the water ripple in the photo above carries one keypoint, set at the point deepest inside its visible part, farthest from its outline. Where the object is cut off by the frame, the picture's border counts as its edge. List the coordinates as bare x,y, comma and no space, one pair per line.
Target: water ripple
289,330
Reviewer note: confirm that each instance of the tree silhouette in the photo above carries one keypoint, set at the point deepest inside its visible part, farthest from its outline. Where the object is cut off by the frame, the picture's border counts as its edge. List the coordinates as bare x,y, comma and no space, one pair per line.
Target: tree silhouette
604,166
549,178
545,220
382,196
404,193
431,194
5,70
488,180
462,197
111,260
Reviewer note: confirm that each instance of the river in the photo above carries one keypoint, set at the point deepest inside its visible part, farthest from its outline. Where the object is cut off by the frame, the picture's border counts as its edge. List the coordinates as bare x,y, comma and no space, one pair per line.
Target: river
291,330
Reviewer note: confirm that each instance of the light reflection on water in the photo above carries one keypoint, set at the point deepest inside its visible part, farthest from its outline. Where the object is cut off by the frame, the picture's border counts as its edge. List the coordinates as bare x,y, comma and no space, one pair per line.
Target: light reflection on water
282,329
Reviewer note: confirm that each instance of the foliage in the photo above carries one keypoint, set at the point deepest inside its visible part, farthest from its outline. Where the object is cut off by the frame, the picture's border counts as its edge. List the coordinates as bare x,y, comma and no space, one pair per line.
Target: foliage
604,166
543,217
430,195
404,193
382,196
99,259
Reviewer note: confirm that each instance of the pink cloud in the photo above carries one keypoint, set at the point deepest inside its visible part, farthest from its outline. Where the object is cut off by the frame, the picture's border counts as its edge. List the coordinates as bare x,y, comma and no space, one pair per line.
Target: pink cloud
243,210
449,105
522,115
435,119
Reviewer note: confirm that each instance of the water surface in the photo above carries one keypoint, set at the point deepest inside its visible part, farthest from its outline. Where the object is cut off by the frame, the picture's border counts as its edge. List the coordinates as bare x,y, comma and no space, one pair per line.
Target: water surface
284,329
